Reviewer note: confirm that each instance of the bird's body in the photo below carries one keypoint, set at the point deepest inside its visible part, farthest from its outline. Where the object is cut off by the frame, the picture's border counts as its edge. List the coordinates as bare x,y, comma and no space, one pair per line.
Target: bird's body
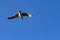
19,14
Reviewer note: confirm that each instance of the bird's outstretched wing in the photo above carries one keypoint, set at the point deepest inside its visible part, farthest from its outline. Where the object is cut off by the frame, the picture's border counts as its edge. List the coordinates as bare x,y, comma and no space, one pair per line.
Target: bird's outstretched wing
14,16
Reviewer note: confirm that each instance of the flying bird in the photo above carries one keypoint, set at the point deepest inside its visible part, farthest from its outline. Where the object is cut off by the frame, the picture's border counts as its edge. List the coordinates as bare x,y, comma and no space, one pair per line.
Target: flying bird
20,14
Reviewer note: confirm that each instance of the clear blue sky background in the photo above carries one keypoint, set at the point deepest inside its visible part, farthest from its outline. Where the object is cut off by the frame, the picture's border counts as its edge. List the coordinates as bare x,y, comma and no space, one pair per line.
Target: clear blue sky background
44,24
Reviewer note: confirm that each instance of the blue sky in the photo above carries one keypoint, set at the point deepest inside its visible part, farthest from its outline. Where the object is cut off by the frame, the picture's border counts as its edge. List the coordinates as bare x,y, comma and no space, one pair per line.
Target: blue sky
44,24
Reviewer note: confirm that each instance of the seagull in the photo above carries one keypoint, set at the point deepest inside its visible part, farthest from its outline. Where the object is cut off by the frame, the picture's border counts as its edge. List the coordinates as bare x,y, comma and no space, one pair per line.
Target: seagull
20,14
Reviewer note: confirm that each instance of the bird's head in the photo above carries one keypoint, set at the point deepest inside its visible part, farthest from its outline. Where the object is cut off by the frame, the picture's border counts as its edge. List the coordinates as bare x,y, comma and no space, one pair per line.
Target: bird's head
29,15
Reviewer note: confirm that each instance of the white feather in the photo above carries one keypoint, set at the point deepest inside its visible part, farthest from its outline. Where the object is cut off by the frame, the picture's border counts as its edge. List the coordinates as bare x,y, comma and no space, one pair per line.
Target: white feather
29,15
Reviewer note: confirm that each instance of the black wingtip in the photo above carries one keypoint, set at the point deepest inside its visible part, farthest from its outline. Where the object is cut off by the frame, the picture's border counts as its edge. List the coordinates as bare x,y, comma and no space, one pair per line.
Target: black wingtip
9,18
